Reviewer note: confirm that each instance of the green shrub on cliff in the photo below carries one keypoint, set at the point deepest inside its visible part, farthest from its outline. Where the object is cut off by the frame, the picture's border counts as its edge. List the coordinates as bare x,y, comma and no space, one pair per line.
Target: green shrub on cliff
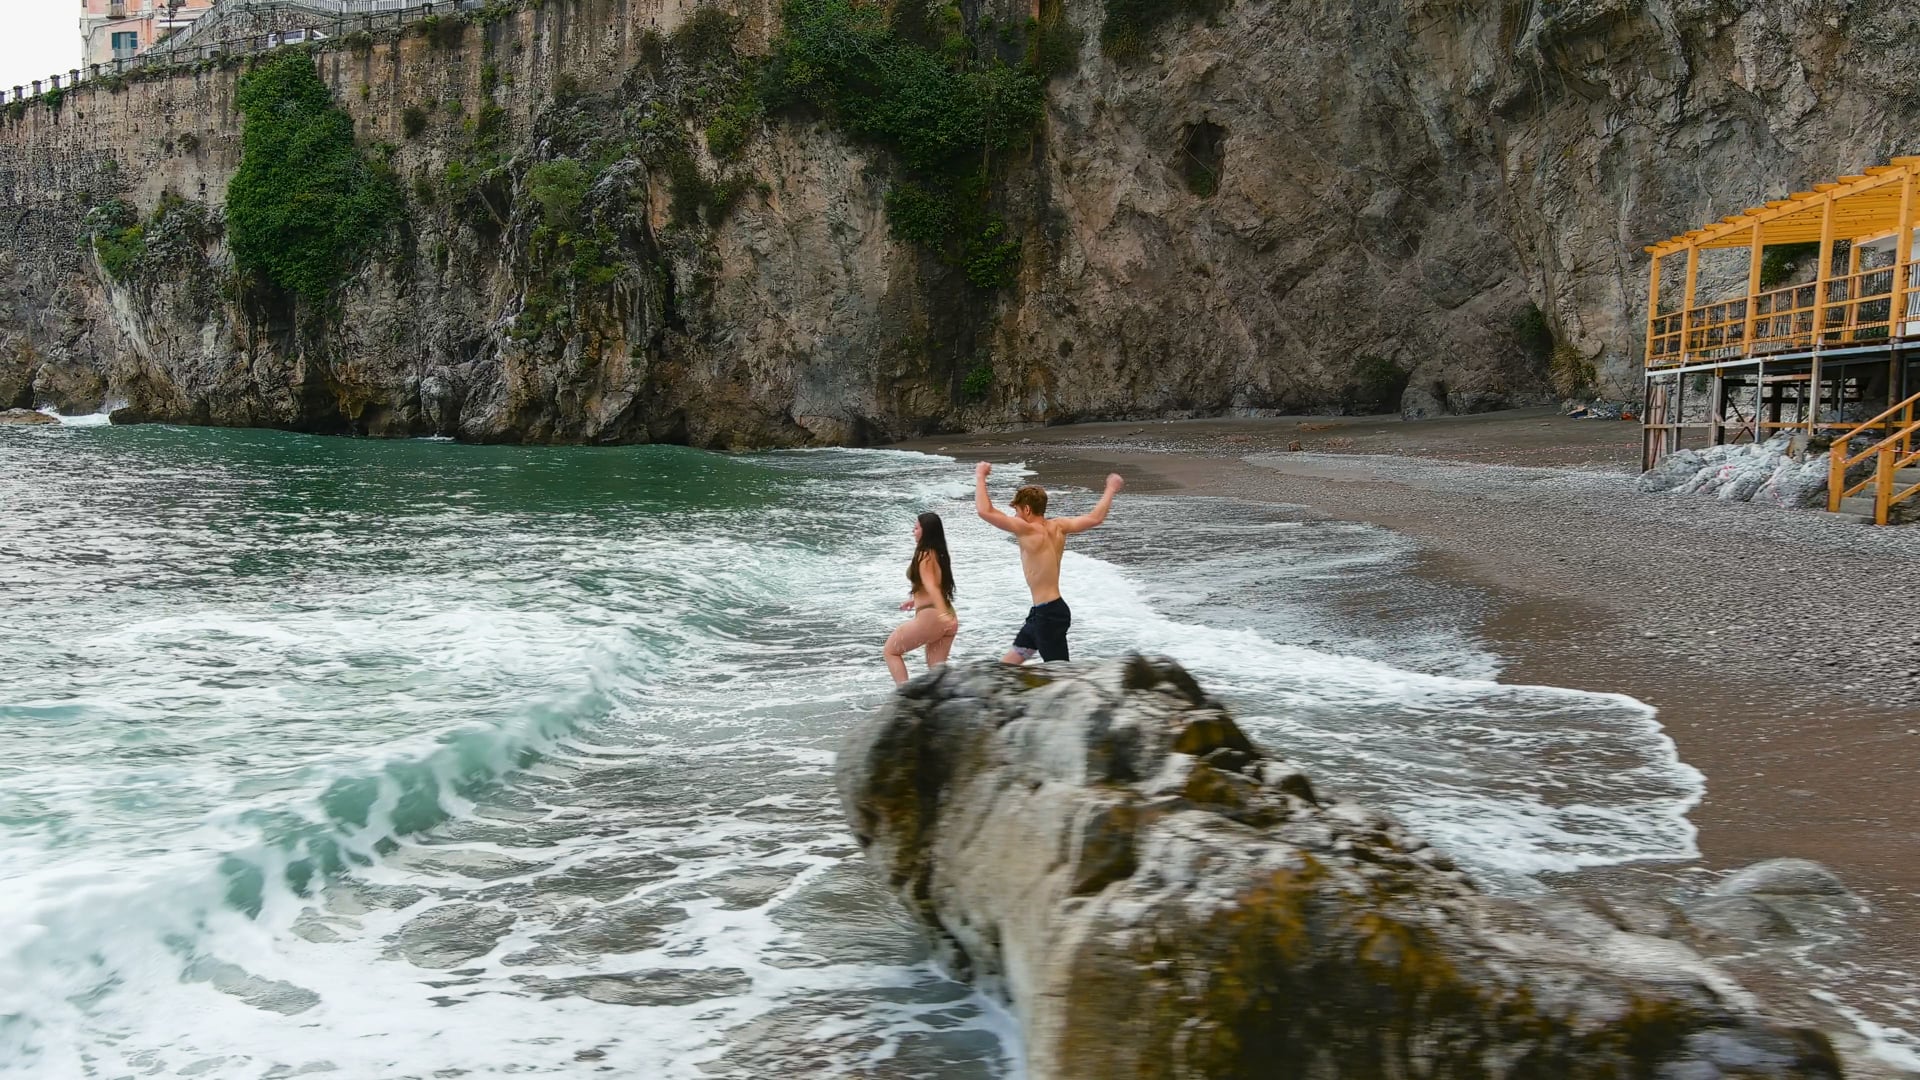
495,11
305,205
169,241
706,37
936,113
978,383
1053,45
948,118
444,31
733,125
692,194
1533,333
920,215
990,259
118,238
413,121
558,186
1779,261
1573,374
1129,23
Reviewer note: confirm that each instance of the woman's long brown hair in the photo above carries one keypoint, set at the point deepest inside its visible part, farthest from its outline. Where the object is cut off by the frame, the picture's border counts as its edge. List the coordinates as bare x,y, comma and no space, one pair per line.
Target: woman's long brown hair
933,537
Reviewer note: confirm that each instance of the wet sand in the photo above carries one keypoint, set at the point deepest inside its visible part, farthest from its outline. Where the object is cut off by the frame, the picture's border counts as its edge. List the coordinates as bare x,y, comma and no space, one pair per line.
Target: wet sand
1761,635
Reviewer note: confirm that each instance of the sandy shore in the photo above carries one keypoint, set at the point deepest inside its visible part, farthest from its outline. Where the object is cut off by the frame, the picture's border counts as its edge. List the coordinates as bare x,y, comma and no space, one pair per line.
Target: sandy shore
1767,639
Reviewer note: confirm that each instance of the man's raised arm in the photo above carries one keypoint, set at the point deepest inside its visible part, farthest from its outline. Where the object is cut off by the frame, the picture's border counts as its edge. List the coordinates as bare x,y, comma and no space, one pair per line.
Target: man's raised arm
983,505
1098,514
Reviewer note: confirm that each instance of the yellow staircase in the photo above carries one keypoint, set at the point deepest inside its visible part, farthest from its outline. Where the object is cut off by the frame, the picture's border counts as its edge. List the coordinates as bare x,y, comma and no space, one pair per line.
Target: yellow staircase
1896,465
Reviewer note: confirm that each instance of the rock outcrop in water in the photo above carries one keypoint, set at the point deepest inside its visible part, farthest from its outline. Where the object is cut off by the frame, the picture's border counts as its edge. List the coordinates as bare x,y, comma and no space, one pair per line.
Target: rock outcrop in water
1156,897
1271,205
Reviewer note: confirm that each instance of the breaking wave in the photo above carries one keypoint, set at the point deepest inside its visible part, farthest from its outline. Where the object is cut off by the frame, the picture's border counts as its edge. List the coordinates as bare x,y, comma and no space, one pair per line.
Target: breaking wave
388,759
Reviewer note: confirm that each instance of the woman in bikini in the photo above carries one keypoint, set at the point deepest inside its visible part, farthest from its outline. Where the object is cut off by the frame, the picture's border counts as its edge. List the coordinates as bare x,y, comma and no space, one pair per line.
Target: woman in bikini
934,623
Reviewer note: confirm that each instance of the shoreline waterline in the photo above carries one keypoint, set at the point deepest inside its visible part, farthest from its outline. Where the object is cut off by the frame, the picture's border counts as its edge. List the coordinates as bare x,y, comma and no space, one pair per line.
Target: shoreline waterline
1532,518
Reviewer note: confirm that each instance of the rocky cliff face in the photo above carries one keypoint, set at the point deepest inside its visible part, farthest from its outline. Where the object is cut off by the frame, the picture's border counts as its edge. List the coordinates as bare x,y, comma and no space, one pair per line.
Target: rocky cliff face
1156,897
1272,206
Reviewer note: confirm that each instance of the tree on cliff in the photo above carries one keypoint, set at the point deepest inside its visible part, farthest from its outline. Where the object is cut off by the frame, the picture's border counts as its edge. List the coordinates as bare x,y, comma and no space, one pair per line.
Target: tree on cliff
305,205
949,117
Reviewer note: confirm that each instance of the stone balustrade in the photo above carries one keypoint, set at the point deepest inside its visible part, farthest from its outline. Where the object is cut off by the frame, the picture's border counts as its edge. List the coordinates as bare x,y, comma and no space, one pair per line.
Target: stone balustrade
268,25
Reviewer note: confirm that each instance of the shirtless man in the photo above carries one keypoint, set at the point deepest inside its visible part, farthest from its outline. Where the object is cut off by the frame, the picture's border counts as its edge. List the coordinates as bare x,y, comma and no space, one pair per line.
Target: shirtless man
1042,541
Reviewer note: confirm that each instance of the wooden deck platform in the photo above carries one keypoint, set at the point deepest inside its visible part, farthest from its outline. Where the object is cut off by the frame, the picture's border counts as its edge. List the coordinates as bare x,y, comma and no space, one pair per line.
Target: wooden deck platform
1811,356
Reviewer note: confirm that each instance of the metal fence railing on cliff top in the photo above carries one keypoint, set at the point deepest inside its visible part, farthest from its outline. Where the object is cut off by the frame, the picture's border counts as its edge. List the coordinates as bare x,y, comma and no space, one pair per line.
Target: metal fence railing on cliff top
238,28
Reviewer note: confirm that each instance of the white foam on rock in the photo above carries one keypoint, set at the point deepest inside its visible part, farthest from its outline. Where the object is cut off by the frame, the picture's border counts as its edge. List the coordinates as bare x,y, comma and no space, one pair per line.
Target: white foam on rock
99,419
1891,1045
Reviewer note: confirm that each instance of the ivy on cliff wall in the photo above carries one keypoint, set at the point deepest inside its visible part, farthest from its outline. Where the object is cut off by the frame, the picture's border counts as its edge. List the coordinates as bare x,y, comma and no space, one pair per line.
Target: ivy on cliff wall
118,237
166,244
949,118
306,205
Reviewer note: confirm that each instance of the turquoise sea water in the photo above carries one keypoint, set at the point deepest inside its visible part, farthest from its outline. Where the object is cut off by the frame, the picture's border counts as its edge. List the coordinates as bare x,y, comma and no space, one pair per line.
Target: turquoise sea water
410,759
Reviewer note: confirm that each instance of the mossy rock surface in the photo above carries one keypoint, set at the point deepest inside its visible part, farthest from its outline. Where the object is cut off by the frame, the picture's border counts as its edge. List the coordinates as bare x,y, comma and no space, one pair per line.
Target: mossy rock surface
1156,896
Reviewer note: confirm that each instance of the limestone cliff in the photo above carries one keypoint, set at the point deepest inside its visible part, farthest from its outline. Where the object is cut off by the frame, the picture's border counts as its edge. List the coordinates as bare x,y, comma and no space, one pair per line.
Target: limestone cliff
1266,206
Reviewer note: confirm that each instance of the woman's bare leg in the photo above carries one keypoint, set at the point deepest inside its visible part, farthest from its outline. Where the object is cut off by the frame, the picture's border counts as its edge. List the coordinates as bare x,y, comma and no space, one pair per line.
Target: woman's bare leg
896,664
920,630
937,650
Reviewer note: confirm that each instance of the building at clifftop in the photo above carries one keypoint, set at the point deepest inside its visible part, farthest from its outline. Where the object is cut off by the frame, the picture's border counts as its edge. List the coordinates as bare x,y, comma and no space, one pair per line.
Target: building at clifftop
122,29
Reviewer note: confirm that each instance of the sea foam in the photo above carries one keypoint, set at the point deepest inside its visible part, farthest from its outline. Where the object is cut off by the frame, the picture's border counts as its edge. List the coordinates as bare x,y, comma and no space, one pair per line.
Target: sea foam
387,759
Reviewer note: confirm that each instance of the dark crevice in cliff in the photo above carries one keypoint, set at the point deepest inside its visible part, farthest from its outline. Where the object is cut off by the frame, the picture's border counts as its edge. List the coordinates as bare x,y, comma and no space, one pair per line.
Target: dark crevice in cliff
1202,157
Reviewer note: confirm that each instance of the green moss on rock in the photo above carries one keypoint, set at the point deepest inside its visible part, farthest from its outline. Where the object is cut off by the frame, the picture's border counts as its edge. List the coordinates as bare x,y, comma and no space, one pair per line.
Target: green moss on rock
948,116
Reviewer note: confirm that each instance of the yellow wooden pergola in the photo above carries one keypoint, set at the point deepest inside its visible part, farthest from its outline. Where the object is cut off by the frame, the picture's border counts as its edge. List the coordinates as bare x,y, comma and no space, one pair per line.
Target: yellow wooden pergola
1874,206
1840,340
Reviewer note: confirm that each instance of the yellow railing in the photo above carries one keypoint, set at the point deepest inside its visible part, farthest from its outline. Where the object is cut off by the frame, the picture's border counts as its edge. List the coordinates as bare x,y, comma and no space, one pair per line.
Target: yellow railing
1856,310
1894,452
1663,343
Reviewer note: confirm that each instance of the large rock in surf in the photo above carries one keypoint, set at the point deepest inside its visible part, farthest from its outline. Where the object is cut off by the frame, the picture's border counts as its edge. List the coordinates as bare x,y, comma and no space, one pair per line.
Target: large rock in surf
25,418
1100,846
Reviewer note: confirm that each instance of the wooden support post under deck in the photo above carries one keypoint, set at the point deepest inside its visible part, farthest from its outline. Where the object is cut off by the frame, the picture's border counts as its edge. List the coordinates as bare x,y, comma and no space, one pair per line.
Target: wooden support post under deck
1897,302
1756,255
1648,458
1679,411
1821,284
1810,397
1716,408
1673,433
1660,440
